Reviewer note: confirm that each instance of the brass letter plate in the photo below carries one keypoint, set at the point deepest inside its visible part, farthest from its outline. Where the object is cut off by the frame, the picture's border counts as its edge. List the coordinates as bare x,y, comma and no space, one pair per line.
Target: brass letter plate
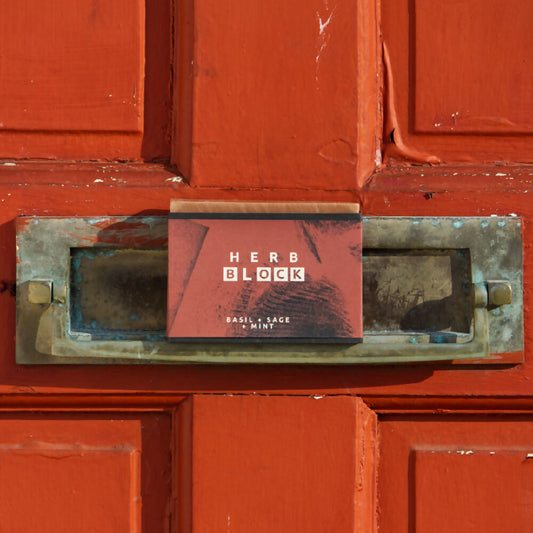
94,290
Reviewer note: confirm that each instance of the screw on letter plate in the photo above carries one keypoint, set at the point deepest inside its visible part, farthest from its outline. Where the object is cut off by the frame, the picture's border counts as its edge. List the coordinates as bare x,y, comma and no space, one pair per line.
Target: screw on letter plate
40,292
500,292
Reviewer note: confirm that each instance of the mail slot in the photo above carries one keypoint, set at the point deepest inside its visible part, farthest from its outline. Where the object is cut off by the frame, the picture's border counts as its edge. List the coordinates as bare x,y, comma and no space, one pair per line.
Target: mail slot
434,289
418,291
118,293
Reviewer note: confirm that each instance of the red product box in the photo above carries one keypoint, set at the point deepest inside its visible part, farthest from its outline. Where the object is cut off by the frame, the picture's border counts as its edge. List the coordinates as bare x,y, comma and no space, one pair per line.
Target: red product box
265,273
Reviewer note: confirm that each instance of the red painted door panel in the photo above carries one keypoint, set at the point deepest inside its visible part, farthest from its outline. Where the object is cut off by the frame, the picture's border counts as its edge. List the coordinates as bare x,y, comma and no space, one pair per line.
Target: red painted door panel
458,80
446,473
473,490
84,473
264,464
85,80
272,94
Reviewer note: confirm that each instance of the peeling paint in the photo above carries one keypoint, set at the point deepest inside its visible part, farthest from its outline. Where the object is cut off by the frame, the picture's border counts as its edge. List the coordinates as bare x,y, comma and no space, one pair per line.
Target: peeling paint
323,35
325,24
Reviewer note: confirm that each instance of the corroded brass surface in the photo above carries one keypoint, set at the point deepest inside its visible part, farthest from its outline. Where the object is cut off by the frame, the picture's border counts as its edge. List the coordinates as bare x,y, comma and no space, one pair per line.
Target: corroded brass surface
442,316
40,292
500,293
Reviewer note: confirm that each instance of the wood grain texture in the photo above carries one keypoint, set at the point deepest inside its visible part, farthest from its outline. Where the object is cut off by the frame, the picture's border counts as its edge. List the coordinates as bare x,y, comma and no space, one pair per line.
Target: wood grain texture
278,464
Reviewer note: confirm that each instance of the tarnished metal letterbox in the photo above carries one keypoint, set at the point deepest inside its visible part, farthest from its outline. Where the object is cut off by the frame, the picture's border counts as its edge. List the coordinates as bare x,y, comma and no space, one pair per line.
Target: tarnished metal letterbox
94,290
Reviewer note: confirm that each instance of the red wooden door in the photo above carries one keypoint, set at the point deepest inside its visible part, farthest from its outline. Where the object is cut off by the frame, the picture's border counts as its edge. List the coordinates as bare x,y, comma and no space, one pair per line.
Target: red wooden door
411,107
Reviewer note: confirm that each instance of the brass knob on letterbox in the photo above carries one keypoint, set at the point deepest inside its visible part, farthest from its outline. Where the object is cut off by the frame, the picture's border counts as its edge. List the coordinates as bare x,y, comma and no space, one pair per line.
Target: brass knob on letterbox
40,291
500,292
